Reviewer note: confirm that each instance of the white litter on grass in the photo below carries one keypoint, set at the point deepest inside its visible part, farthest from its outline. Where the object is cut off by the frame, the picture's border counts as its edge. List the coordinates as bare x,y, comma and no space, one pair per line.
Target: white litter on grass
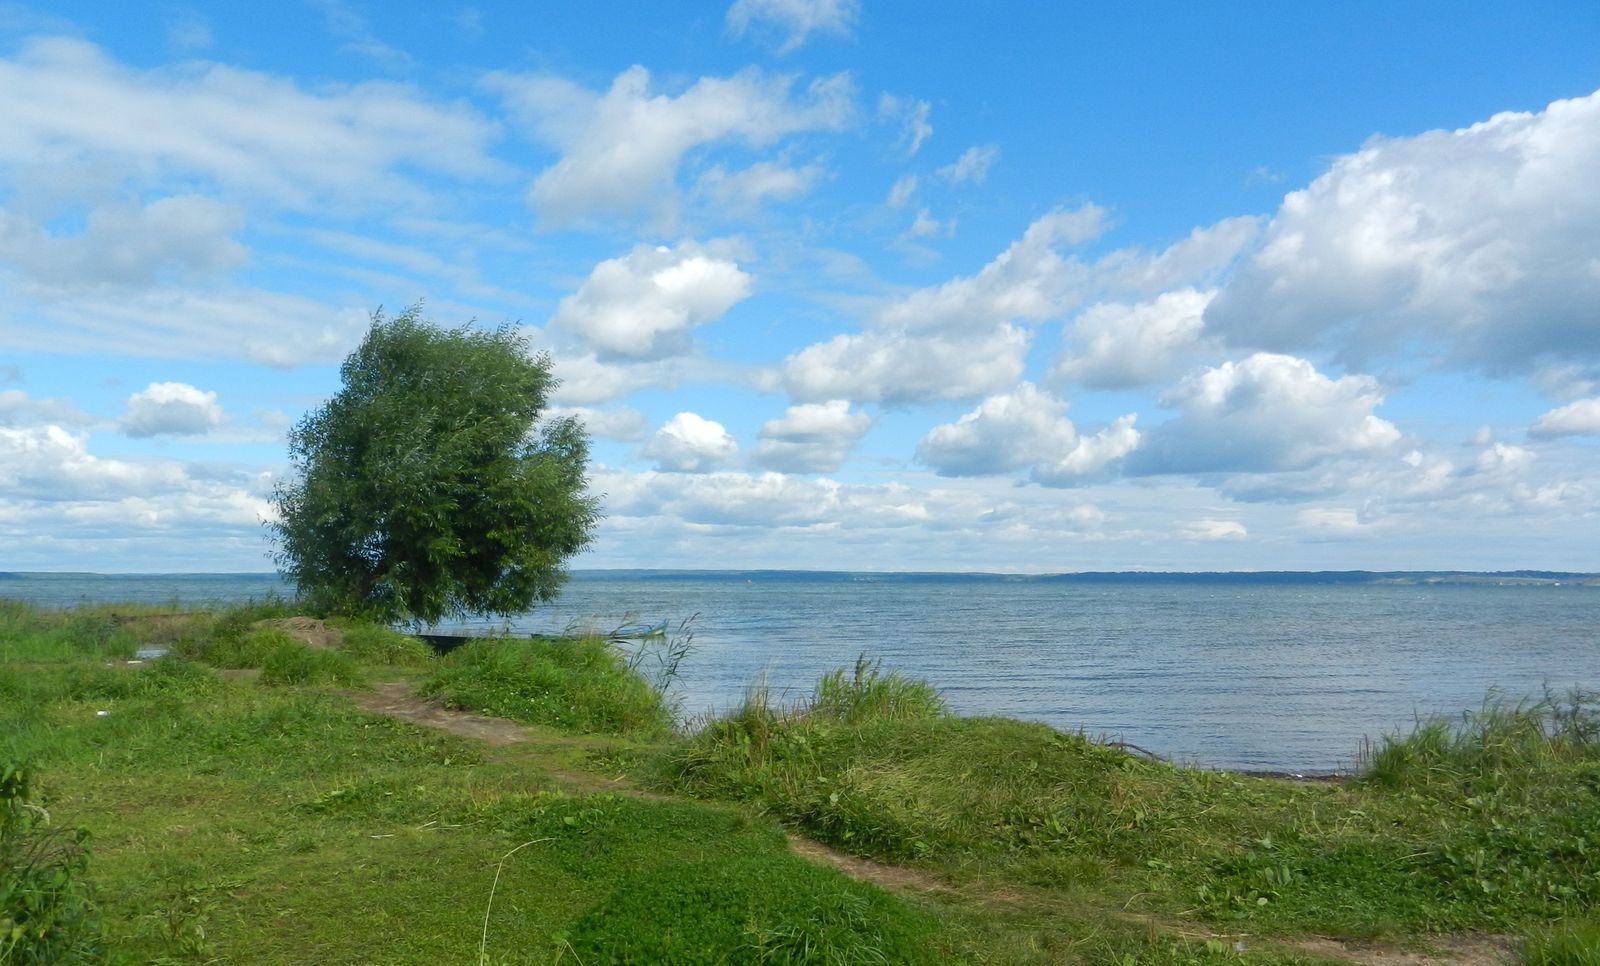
101,714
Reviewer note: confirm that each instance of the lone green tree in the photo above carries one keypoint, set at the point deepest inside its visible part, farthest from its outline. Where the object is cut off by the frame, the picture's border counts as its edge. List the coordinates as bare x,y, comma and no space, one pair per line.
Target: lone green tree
429,486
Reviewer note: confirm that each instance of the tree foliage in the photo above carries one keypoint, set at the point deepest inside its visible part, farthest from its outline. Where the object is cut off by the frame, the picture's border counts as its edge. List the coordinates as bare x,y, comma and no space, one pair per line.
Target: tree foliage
429,486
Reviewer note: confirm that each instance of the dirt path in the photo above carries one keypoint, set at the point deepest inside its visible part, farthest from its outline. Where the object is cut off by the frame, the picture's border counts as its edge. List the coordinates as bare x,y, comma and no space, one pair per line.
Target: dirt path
1468,950
397,699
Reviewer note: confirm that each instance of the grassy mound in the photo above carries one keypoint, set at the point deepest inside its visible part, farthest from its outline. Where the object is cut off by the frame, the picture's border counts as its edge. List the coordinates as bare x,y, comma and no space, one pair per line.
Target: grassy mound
370,643
292,663
579,684
1493,825
221,810
685,883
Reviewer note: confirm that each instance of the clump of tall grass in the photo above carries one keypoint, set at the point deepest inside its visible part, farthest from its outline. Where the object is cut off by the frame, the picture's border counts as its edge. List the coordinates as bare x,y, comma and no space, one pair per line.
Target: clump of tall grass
579,684
169,677
291,663
372,643
37,635
875,763
870,695
1500,744
1571,943
233,640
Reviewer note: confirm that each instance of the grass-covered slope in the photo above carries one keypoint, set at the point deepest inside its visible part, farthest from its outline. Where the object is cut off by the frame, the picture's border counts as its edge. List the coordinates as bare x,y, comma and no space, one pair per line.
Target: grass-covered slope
234,820
1491,825
579,684
241,807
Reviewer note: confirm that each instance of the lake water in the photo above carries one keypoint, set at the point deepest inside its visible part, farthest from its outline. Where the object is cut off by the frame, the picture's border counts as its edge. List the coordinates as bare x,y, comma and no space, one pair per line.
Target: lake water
1284,676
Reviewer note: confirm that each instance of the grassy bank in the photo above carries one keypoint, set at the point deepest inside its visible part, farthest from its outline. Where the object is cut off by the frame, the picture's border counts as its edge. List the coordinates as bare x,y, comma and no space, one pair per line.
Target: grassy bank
240,806
1492,824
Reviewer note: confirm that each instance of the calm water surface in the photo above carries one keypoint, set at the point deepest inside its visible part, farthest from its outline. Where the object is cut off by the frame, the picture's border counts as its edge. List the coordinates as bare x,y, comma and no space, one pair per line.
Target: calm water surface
1241,676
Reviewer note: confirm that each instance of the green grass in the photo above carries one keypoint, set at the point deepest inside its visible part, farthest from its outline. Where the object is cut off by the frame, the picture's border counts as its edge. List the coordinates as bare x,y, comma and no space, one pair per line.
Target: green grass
46,915
268,819
579,684
238,821
258,821
370,643
32,636
1491,825
290,663
1573,943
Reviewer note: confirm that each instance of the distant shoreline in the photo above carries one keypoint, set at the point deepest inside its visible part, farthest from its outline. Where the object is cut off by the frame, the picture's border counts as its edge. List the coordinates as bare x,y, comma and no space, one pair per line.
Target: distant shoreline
1535,578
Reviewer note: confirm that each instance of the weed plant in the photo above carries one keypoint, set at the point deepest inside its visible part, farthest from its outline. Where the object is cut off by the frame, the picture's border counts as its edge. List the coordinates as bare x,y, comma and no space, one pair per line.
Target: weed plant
46,915
579,684
663,654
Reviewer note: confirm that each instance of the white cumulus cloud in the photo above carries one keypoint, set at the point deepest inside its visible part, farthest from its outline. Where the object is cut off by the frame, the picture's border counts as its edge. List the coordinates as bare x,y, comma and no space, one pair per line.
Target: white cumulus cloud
621,149
1578,418
1114,345
1267,412
622,423
1025,428
1006,432
811,437
185,235
957,340
896,367
1214,530
18,409
690,443
1091,456
1480,243
171,408
745,191
644,304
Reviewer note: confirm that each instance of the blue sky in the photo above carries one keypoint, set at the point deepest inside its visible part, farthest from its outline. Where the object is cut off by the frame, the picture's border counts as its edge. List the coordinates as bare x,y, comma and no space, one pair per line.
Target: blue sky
835,284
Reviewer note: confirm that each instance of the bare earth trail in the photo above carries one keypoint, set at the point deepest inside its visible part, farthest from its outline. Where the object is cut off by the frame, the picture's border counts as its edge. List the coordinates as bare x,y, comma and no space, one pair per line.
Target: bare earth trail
553,752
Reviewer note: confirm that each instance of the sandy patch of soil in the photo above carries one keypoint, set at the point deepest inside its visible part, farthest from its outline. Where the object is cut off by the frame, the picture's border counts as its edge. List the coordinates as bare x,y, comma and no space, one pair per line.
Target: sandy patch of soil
1464,950
307,630
866,870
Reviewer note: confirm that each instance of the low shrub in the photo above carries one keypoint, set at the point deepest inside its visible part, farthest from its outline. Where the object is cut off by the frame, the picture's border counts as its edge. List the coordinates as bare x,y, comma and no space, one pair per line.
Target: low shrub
580,684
